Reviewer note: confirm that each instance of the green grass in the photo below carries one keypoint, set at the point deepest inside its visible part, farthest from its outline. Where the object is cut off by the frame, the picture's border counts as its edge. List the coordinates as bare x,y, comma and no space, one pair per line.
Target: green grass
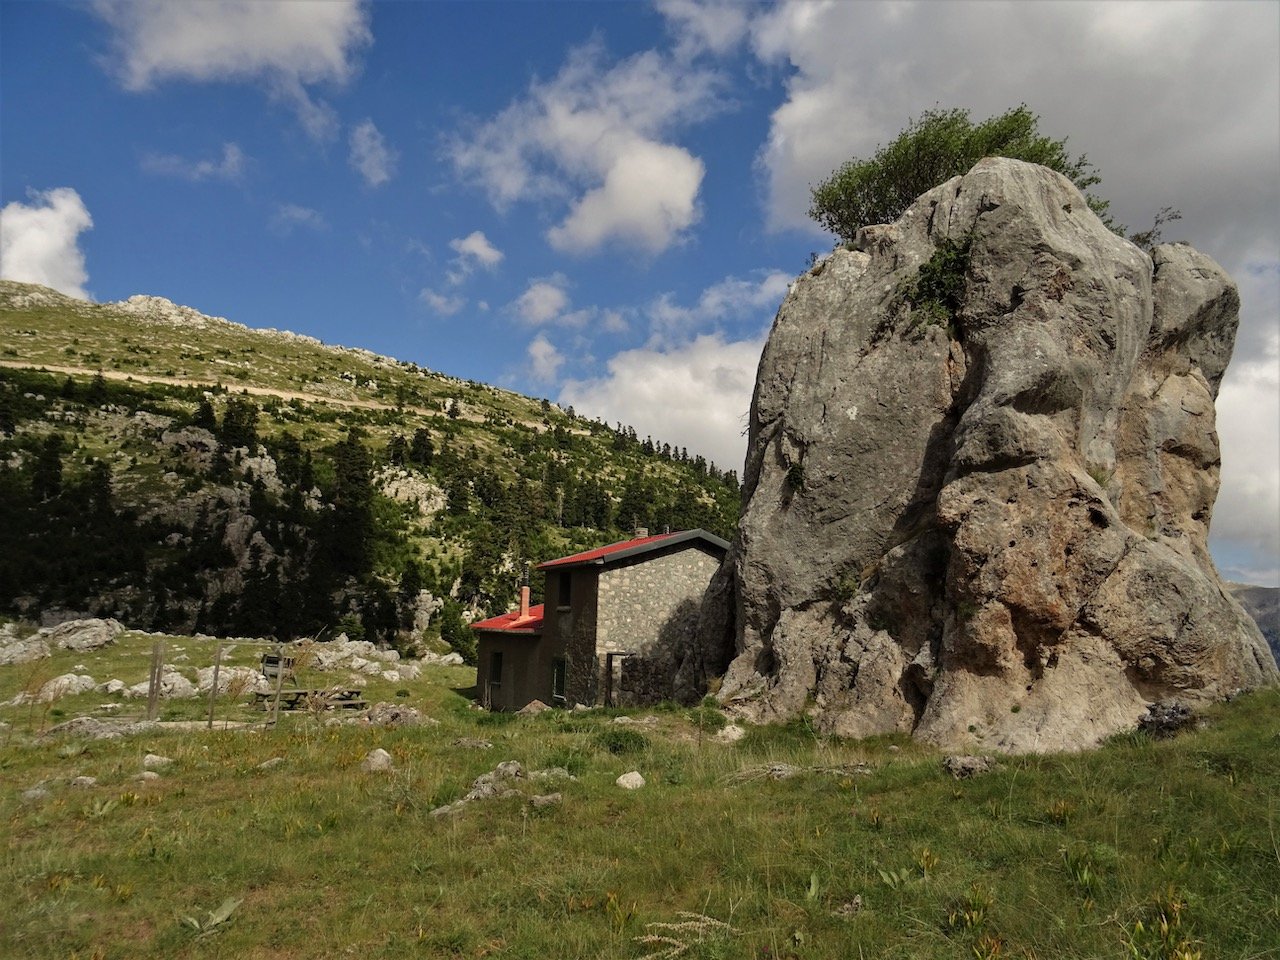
1068,856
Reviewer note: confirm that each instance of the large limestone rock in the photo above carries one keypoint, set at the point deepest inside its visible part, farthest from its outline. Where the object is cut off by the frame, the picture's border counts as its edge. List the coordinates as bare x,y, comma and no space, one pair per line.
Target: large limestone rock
984,519
83,636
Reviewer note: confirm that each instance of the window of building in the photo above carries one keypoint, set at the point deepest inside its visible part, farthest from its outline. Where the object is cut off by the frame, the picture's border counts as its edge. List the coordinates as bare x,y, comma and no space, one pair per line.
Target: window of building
559,673
495,668
564,596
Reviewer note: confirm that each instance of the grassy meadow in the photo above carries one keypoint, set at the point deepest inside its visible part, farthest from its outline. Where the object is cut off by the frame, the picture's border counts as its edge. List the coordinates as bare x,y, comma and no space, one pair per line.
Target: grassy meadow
1142,849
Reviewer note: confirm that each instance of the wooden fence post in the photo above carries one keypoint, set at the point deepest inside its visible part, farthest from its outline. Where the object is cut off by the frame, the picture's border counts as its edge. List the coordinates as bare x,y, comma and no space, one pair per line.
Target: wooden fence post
213,691
275,714
153,687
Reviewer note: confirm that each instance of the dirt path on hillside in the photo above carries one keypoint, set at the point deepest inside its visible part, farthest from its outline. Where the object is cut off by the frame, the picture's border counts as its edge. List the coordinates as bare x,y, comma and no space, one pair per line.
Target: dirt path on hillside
183,382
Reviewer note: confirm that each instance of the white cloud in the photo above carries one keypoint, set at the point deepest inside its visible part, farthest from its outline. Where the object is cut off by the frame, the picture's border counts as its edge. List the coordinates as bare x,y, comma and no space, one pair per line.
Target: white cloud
543,301
613,321
696,395
476,246
472,250
442,304
231,166
1246,518
544,359
597,137
730,297
648,198
715,26
1161,128
39,243
371,155
289,216
1176,104
287,46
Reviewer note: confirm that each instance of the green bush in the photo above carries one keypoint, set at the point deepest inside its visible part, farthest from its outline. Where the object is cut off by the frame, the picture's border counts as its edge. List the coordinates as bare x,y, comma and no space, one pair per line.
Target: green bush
622,742
708,716
935,147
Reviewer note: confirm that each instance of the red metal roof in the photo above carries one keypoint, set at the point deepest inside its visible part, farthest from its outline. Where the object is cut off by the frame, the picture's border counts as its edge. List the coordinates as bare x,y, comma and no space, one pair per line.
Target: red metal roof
599,553
512,623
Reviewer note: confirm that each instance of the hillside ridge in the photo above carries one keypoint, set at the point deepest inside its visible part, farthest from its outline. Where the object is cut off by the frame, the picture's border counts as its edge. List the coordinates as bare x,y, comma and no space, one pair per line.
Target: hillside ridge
179,471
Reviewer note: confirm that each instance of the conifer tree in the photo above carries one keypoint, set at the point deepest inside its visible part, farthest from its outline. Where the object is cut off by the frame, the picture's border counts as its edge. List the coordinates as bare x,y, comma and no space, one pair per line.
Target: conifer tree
46,476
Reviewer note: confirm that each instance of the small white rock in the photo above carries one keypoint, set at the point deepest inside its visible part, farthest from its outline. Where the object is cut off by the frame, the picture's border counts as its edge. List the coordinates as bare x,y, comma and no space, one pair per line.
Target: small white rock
84,782
730,734
153,761
147,775
376,761
630,781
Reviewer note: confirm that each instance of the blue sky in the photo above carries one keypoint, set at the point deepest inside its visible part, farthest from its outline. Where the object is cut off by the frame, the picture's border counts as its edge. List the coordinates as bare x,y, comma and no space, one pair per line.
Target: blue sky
602,203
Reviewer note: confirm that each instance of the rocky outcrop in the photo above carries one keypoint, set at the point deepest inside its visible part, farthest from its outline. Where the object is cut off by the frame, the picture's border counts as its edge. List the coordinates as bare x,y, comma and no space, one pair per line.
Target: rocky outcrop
981,467
83,635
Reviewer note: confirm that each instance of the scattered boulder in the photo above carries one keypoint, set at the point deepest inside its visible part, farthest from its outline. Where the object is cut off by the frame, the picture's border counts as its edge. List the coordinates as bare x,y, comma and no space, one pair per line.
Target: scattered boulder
240,680
35,794
443,659
400,673
154,761
342,653
67,685
533,708
551,774
781,771
146,776
981,466
493,785
1166,719
962,768
546,800
83,635
630,781
473,743
271,764
91,728
173,686
14,649
112,687
850,908
377,761
83,783
729,734
384,714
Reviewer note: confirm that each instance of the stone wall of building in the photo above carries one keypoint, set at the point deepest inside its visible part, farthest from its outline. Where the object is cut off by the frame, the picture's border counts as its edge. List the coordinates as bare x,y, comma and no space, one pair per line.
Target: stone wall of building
573,628
646,609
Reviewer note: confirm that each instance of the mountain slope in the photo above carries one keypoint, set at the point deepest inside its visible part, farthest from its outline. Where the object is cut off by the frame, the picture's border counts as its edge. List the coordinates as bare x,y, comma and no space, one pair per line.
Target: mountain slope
185,472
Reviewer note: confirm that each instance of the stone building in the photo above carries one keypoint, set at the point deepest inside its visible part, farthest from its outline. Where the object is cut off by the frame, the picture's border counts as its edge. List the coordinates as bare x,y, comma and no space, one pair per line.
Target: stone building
609,629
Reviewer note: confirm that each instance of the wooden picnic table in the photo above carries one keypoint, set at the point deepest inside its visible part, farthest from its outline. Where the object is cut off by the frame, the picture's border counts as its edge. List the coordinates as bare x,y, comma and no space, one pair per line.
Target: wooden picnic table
332,699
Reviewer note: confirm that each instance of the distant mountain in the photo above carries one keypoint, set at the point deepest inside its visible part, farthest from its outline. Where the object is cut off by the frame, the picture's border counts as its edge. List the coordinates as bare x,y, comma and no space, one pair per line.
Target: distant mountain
1263,604
184,472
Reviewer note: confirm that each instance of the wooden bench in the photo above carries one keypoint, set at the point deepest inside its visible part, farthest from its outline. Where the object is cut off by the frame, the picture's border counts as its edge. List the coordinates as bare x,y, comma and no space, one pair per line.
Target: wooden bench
274,665
306,699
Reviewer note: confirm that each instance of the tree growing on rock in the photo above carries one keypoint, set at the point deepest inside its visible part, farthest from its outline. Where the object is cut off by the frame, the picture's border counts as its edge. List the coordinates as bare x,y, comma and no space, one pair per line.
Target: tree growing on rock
936,146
